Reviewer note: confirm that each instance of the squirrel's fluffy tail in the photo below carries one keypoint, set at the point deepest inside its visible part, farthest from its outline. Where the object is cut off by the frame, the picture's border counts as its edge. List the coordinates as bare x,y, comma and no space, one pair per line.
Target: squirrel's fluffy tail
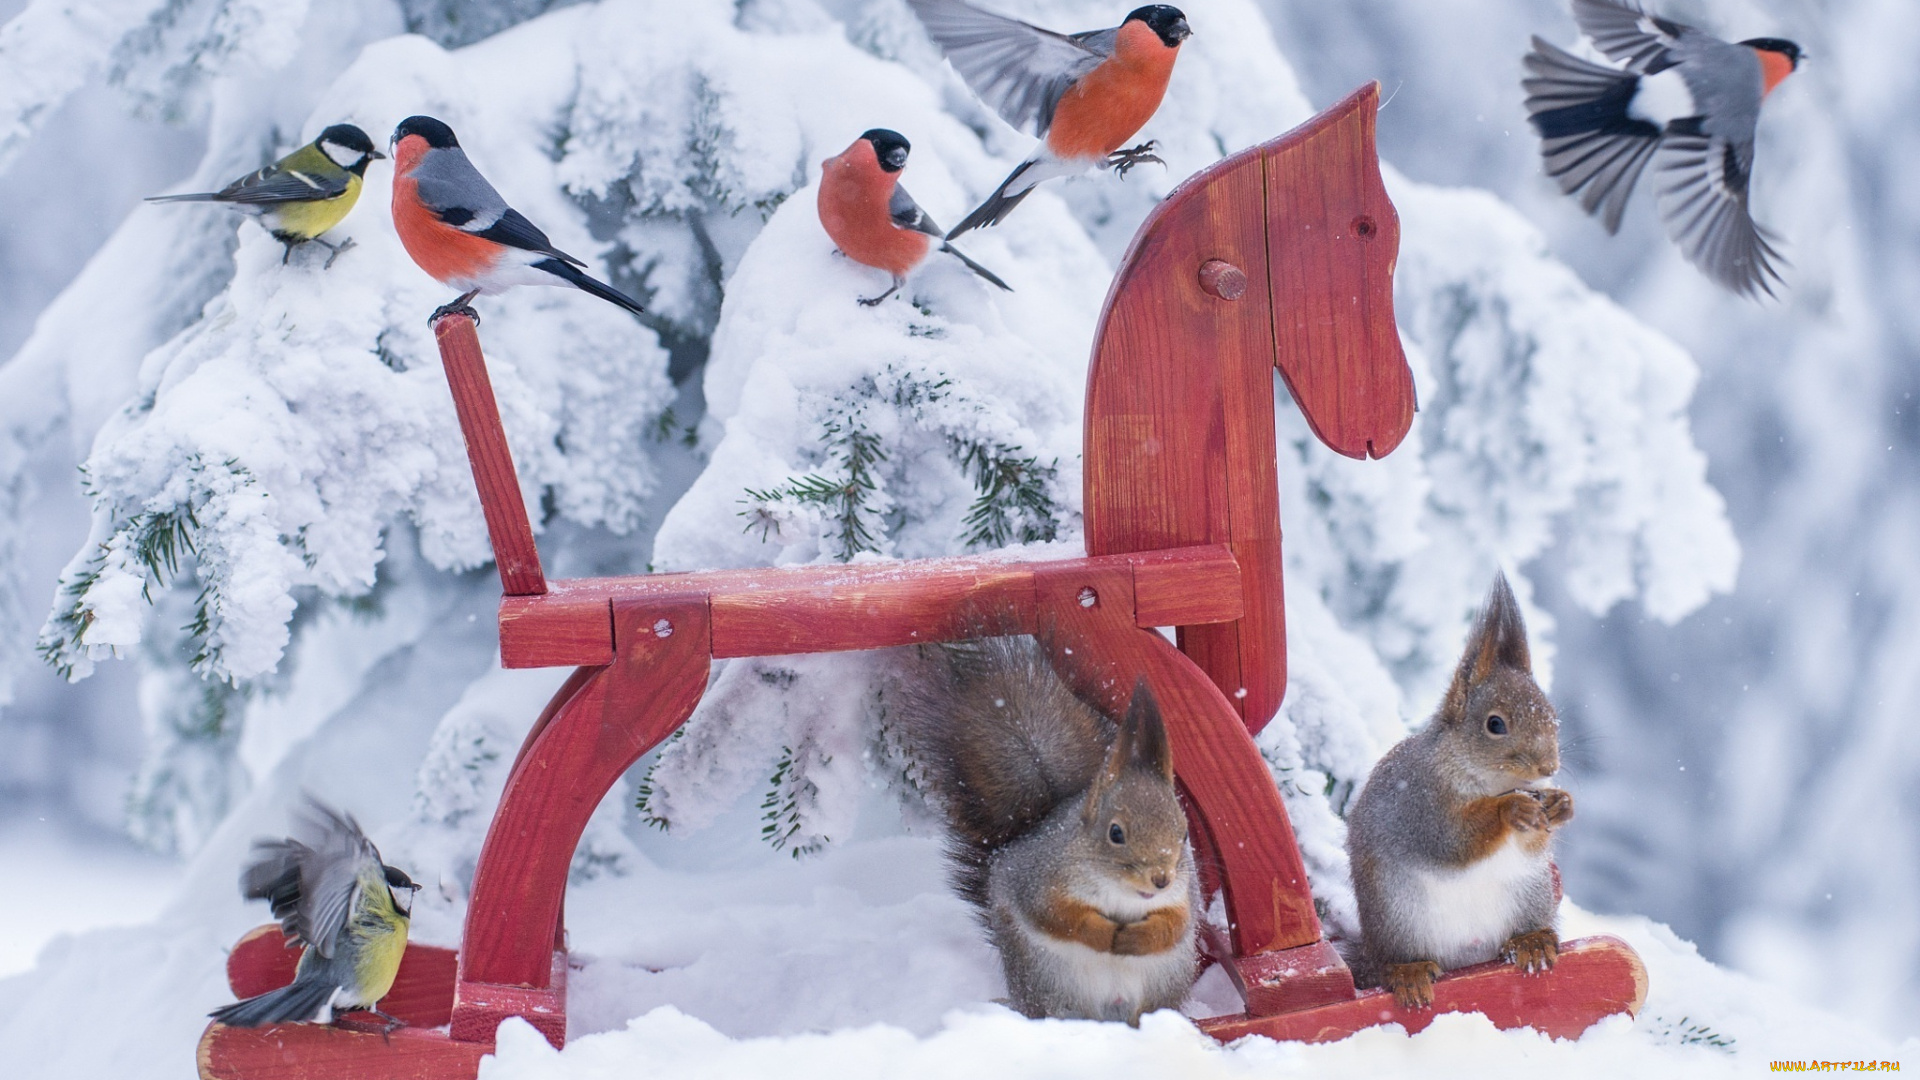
1002,742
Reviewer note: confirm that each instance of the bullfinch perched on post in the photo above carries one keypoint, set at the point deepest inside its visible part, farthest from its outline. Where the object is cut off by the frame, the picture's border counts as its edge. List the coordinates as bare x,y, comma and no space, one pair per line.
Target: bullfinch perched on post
303,194
1686,100
459,230
1083,94
872,219
332,894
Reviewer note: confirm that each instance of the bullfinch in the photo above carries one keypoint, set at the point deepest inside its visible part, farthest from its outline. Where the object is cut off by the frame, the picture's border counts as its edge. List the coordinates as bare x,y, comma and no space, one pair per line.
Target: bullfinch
872,219
1084,95
1683,99
462,233
303,194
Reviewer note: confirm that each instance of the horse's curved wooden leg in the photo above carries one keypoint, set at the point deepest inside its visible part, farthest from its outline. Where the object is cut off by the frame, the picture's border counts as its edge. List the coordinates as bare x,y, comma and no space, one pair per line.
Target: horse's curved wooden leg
1086,626
662,651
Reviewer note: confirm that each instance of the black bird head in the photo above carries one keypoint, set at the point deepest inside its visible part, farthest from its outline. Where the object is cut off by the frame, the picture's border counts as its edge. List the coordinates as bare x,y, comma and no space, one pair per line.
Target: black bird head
398,882
1777,45
890,147
348,147
1167,21
438,135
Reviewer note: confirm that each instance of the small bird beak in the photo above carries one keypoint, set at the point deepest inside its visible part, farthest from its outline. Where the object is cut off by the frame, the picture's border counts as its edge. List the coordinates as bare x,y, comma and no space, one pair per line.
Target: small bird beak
1181,31
897,158
376,155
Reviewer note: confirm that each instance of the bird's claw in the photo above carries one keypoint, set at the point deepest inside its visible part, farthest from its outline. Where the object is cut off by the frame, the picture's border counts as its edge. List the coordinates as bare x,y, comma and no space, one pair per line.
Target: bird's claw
457,308
1122,160
337,249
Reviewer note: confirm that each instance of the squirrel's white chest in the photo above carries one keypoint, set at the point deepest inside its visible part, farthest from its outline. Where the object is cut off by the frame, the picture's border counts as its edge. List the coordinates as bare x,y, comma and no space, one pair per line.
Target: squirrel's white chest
1463,916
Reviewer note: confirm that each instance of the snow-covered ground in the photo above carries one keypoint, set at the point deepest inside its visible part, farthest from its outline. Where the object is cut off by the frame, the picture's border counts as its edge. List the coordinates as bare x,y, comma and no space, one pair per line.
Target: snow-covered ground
285,553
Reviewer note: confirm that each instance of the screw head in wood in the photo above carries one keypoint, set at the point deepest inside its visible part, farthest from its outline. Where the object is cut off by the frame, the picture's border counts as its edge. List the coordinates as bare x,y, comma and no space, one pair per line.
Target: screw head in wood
663,629
1221,278
1364,228
1088,597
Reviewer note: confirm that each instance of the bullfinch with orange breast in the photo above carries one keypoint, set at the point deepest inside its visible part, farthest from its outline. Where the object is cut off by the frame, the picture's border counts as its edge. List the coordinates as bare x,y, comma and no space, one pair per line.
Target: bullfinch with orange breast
872,219
1084,95
461,232
1684,99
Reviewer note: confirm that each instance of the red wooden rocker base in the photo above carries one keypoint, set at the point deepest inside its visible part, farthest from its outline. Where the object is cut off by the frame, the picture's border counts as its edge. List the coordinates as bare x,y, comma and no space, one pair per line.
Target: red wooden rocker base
1281,256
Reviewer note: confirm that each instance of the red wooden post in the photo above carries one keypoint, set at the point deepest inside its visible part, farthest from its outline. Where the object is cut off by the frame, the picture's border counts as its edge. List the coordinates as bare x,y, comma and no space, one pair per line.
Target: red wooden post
658,673
513,550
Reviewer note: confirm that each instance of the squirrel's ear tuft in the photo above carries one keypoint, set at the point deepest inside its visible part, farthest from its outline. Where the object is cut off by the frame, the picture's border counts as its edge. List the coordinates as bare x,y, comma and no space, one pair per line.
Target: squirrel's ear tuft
1148,747
1499,639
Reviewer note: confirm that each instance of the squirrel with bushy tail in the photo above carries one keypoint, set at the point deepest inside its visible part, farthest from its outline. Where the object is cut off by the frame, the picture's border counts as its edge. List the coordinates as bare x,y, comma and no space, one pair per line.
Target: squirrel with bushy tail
1451,840
1064,830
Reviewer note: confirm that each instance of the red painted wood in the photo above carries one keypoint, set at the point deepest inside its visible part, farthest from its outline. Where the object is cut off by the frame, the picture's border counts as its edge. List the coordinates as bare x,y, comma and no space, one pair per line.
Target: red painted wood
781,611
1290,979
1179,432
1596,977
479,1007
513,549
1101,653
422,993
573,628
1186,586
613,716
1338,346
326,1052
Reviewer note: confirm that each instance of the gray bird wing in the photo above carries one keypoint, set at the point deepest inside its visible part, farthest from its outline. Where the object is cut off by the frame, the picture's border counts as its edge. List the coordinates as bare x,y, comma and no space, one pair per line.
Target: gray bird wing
907,214
1624,32
274,185
336,856
1702,190
452,188
1017,68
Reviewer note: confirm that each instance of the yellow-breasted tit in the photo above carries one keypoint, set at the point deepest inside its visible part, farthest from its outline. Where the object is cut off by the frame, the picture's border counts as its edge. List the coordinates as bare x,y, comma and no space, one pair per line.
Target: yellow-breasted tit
333,895
303,194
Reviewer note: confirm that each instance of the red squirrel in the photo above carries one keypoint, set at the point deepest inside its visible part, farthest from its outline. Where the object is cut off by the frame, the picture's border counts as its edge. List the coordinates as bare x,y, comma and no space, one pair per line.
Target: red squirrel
1063,828
1451,839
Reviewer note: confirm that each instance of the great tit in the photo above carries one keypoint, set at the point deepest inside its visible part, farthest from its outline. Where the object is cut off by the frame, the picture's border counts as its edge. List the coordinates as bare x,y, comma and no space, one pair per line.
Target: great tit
303,194
872,219
333,895
462,233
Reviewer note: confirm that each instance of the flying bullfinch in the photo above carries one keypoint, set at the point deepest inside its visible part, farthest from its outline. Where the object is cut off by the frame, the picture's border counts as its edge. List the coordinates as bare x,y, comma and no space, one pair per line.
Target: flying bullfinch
303,194
872,219
462,233
1685,100
1083,94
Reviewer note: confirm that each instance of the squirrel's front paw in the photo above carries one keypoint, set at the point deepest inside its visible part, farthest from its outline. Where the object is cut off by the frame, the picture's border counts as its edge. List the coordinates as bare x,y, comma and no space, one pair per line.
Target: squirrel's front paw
1412,984
1159,931
1533,952
1523,811
1557,805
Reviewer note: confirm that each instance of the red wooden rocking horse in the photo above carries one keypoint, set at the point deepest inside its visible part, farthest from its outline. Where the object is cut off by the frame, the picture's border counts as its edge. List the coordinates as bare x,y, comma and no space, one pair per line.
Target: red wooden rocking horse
1279,256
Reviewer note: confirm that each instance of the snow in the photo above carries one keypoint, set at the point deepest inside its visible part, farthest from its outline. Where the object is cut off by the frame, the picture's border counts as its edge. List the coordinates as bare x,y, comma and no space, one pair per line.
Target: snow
764,893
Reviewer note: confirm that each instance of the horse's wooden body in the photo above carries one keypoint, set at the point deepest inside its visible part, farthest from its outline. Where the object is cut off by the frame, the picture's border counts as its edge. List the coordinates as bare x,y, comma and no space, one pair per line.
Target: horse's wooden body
1281,256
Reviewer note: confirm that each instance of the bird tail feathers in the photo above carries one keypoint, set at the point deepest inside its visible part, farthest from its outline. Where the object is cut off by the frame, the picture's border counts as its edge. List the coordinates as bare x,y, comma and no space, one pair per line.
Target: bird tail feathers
975,267
1592,146
198,196
294,1003
998,205
580,280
